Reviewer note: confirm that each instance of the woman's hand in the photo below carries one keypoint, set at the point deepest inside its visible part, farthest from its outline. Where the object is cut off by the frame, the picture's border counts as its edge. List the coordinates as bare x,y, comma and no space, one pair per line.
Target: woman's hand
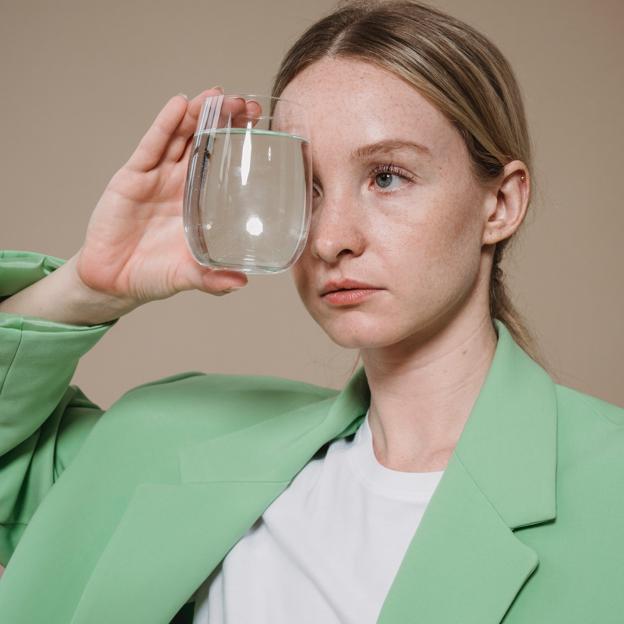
134,249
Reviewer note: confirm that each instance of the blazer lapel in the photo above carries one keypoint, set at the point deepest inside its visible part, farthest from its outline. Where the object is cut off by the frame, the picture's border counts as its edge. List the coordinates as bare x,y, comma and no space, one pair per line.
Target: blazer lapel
464,563
172,536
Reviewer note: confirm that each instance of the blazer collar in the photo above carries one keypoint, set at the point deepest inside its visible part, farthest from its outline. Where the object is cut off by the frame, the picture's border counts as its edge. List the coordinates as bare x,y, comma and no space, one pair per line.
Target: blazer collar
464,563
501,476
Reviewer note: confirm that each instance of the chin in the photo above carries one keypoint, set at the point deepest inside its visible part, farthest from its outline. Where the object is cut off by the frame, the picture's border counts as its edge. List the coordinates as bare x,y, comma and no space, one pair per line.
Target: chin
350,334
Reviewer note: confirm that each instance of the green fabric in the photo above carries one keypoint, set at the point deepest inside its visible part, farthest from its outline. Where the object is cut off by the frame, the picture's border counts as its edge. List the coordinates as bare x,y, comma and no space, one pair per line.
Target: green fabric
120,516
43,420
19,269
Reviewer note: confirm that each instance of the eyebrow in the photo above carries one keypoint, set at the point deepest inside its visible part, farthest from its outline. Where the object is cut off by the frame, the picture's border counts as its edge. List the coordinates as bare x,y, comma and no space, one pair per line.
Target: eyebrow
389,145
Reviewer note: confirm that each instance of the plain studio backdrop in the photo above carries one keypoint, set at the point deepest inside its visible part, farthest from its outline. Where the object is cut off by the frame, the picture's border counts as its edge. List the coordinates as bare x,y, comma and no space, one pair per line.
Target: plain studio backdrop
83,80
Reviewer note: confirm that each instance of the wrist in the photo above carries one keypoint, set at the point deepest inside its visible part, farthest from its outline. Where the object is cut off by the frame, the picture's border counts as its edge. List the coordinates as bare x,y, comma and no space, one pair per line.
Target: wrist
87,305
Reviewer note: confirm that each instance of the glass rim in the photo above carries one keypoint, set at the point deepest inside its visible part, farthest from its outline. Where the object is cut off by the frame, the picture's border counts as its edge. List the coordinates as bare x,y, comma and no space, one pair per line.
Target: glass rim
258,95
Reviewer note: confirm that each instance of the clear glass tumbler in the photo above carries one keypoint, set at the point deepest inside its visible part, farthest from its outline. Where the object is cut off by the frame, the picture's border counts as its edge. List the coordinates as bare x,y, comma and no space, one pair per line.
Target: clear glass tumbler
248,193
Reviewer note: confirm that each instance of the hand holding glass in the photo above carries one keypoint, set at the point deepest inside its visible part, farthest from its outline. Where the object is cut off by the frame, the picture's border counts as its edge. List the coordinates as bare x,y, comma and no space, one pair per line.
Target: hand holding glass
248,193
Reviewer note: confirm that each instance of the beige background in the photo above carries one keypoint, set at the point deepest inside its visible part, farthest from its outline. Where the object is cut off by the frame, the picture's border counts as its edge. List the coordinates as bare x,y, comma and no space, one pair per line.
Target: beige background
82,80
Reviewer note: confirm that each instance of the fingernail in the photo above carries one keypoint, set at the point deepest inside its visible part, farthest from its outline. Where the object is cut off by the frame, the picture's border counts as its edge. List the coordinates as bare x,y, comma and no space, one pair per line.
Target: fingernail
228,289
218,87
184,95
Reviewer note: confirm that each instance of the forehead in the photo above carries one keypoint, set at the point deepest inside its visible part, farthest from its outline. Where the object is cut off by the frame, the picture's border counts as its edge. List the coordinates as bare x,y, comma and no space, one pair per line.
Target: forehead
350,103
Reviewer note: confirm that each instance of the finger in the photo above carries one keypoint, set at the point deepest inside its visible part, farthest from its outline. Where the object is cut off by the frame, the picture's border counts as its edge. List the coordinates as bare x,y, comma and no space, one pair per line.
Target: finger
254,111
186,154
249,113
231,108
217,281
187,127
227,291
191,275
181,146
152,146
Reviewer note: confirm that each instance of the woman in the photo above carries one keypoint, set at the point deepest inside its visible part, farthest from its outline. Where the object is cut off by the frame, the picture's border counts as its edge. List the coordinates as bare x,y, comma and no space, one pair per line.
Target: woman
451,480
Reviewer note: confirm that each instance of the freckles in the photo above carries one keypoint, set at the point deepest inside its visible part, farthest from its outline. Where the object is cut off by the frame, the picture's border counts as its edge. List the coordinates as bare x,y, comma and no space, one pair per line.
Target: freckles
430,250
456,207
439,243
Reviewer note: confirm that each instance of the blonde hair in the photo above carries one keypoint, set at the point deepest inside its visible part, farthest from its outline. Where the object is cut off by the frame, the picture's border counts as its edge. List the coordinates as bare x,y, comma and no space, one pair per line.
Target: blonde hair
457,69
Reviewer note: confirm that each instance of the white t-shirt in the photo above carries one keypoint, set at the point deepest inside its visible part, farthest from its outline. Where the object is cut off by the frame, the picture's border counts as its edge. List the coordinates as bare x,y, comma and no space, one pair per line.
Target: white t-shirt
327,549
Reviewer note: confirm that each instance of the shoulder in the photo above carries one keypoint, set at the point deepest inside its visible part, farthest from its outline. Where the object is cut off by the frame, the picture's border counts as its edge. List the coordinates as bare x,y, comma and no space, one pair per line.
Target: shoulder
149,424
584,540
196,398
219,386
590,438
588,409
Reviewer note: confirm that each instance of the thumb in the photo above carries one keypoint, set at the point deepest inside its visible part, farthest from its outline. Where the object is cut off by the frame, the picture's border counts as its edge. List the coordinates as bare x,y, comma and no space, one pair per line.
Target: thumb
217,281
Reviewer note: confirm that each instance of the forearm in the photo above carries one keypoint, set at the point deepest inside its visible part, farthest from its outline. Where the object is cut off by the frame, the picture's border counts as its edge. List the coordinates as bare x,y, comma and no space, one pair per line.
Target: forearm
62,298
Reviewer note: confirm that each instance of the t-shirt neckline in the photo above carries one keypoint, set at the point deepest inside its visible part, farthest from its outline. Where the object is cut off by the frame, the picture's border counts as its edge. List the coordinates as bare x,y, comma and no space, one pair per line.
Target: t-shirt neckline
406,486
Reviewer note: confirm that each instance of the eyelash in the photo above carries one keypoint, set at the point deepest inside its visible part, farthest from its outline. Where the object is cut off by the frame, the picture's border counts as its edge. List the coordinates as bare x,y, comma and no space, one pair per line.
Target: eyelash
393,169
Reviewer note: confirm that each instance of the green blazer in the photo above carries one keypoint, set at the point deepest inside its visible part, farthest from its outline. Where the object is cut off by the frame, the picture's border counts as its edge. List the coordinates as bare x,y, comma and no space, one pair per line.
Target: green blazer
118,516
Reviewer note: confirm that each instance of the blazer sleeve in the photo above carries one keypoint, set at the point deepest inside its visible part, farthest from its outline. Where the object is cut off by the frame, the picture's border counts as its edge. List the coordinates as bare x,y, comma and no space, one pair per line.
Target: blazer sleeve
43,419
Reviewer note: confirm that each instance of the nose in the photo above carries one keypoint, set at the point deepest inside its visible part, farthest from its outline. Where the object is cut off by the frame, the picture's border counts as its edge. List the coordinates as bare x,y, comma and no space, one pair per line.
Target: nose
335,230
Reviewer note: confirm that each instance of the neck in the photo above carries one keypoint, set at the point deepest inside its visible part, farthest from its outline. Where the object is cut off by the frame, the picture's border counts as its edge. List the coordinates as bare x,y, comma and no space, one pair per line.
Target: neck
420,403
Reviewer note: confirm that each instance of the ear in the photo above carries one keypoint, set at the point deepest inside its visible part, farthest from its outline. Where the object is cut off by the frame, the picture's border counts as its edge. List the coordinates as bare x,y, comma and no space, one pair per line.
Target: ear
508,199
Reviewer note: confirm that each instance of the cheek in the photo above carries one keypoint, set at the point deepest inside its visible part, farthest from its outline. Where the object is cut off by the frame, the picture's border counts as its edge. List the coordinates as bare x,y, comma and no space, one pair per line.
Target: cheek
440,252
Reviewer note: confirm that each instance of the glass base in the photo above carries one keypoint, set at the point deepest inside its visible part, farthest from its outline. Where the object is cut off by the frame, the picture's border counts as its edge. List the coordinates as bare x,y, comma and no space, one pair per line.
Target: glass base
249,268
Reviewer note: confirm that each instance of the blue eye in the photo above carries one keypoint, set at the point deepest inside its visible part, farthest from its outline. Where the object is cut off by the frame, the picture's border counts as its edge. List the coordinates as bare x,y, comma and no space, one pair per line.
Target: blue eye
383,175
386,177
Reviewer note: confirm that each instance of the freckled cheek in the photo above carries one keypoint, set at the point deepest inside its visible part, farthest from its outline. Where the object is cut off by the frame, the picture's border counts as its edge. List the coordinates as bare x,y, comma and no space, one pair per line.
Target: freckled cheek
456,245
438,247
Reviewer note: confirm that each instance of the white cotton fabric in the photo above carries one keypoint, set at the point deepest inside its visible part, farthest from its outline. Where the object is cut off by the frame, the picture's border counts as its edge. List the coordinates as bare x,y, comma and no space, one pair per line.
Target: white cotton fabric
327,549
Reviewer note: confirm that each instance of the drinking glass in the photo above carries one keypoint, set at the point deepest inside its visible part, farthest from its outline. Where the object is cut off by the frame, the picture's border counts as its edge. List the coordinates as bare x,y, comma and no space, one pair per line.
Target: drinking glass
248,190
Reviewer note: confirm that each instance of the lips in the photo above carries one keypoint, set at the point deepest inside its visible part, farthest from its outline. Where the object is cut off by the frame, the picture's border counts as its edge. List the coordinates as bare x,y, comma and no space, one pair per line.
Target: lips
349,297
345,284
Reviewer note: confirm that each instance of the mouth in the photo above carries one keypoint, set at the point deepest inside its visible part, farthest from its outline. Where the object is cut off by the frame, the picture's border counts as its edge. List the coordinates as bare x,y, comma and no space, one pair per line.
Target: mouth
345,285
348,296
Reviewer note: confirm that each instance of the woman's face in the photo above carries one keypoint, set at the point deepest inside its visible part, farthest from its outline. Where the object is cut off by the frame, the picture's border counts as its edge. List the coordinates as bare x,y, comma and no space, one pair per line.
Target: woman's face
413,231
